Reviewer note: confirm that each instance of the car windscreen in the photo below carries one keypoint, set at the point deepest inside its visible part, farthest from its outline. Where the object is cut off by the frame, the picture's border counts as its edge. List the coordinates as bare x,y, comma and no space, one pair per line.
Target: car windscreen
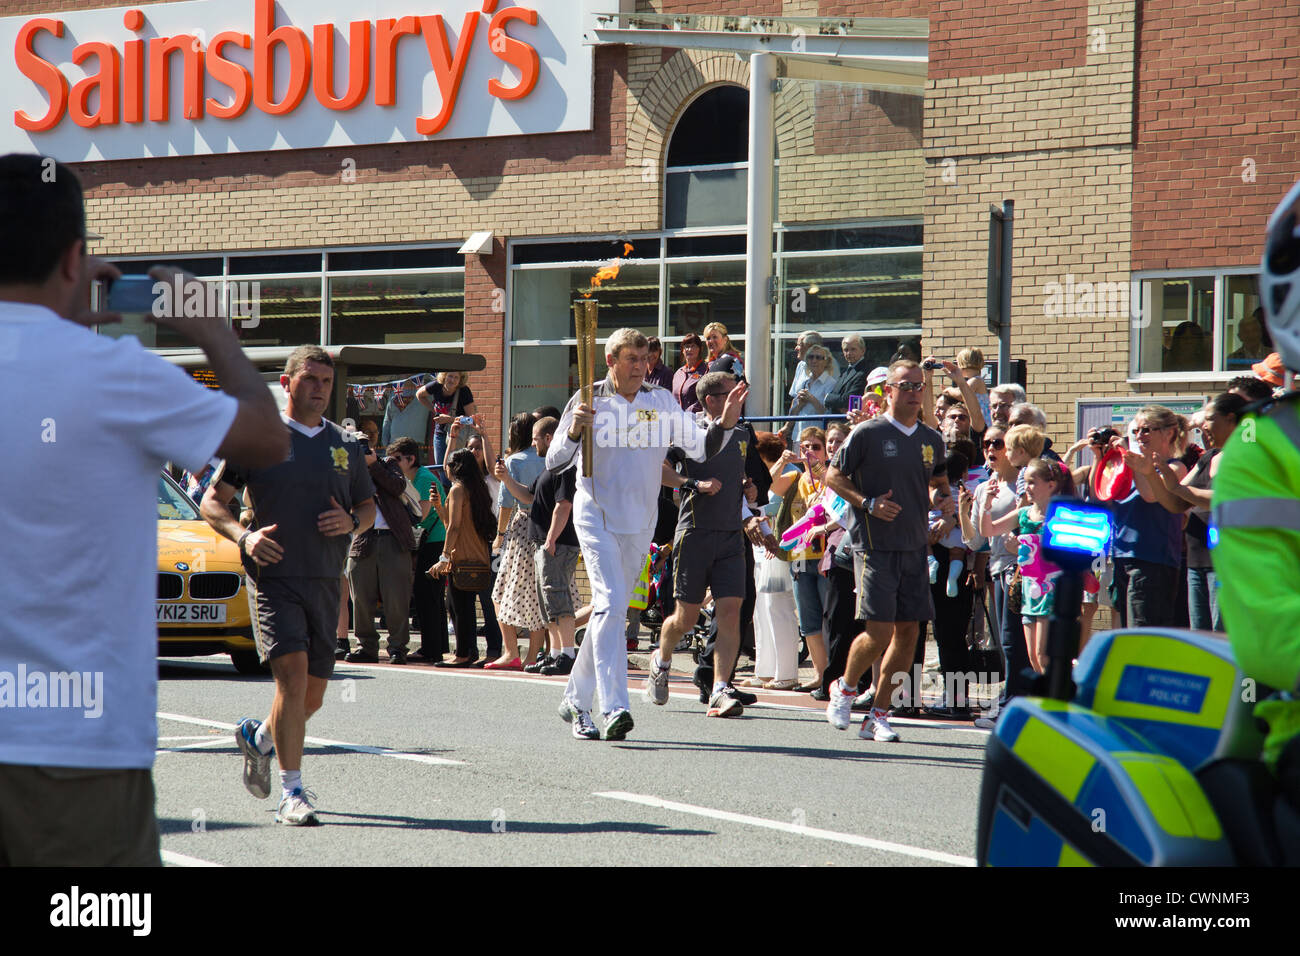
174,503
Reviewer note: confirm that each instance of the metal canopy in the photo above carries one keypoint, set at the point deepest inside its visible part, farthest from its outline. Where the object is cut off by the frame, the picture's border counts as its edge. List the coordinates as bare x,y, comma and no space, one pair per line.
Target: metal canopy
361,360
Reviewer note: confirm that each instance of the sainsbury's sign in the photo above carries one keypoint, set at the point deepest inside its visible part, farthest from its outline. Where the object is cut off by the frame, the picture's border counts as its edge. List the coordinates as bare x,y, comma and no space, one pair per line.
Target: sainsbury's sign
219,76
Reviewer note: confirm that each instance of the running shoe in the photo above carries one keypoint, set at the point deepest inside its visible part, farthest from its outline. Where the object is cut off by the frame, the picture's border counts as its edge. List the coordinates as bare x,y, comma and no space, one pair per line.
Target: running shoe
257,765
875,726
840,709
584,728
723,704
296,810
558,666
656,685
568,710
618,725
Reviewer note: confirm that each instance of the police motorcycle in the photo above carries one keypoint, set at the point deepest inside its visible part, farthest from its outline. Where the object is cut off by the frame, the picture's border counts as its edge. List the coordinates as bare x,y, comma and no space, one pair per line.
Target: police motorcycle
1147,755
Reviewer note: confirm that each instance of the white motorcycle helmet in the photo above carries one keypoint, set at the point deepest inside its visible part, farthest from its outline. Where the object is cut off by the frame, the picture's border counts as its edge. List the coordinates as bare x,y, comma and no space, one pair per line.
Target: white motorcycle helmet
1279,278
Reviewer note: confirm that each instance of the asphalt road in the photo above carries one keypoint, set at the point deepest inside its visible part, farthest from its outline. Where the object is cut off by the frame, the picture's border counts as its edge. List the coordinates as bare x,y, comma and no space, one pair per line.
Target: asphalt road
416,766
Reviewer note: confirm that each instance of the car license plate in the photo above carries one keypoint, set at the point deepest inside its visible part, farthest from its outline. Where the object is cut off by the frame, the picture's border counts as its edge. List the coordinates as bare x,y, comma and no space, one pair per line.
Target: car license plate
169,613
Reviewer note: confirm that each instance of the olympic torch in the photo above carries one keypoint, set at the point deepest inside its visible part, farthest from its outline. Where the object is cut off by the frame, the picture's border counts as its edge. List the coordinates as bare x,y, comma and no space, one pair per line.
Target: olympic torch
585,314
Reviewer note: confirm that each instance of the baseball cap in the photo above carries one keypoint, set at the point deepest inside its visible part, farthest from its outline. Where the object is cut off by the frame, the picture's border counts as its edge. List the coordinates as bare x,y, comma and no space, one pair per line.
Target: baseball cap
1270,370
877,376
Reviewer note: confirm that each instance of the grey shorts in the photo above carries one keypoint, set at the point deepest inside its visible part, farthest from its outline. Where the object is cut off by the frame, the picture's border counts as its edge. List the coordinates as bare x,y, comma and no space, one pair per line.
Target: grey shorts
296,614
554,577
708,559
70,816
895,586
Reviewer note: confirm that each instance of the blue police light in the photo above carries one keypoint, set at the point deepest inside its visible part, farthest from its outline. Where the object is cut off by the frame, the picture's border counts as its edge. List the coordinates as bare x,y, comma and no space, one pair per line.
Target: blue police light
1212,537
1077,529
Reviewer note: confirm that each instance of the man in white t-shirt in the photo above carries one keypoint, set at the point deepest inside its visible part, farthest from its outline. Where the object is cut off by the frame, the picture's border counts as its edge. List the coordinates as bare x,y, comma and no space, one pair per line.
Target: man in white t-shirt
78,640
614,511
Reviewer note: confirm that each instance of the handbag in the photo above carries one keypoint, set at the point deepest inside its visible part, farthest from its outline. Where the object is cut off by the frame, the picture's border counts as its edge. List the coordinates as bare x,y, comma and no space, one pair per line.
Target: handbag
984,648
471,576
772,575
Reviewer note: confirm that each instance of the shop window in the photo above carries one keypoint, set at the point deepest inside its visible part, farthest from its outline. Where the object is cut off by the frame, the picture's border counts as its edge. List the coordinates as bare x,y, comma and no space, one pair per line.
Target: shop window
703,292
852,293
397,309
283,312
543,299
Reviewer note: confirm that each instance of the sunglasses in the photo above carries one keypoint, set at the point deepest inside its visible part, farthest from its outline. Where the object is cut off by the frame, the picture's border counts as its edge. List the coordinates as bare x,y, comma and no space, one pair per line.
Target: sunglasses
1148,429
813,448
907,386
995,443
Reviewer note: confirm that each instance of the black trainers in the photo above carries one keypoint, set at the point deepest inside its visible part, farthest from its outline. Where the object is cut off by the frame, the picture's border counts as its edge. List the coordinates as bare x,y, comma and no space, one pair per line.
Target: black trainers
558,666
536,666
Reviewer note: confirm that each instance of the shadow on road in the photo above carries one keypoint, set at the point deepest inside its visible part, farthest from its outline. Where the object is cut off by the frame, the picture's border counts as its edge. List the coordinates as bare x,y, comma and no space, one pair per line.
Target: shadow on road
168,825
549,828
892,756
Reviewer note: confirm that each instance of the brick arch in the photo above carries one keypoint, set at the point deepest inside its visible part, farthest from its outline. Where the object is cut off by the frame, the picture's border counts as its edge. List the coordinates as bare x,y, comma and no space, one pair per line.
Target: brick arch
682,79
677,84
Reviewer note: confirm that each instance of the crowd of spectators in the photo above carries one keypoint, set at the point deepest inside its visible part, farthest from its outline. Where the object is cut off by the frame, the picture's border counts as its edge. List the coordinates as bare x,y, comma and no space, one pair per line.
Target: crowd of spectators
991,593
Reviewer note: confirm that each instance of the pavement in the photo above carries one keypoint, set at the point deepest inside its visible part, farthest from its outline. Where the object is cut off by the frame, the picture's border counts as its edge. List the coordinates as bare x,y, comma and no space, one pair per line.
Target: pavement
422,766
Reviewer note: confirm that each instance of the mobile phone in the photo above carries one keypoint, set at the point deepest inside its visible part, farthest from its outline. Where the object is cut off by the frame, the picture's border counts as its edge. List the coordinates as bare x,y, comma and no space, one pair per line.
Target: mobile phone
855,403
131,295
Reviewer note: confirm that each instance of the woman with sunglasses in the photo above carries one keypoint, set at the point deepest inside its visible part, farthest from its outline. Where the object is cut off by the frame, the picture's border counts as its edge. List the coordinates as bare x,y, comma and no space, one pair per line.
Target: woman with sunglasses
811,396
1002,553
1148,537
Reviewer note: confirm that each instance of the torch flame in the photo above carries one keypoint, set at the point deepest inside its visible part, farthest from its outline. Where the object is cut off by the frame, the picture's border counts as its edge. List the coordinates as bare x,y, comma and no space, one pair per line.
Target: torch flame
607,273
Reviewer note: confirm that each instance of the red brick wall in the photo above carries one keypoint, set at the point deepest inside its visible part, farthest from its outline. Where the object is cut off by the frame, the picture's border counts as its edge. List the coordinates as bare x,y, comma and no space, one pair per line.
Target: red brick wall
874,8
1216,85
989,37
484,332
852,119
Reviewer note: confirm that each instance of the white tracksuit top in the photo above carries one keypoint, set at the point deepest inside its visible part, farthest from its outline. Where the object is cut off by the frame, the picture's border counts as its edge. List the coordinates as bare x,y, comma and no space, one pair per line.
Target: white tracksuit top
631,439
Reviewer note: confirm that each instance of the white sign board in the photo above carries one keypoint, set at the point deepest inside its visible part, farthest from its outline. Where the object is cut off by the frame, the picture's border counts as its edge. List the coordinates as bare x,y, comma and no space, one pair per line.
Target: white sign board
225,76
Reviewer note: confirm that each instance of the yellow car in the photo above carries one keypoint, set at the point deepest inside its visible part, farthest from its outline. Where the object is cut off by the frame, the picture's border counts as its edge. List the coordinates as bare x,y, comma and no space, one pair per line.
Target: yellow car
202,604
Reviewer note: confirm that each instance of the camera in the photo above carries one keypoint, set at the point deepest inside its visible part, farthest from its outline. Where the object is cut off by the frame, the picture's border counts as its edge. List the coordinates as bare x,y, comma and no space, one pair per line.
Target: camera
931,366
1104,436
364,441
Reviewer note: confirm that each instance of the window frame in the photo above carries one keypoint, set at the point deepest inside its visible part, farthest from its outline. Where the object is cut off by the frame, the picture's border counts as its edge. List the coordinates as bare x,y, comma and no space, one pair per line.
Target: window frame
1219,275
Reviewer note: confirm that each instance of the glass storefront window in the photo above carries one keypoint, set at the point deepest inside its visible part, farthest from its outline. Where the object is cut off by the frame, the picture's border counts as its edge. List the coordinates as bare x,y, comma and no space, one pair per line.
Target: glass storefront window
288,311
1245,337
543,299
881,350
704,292
544,375
852,293
394,309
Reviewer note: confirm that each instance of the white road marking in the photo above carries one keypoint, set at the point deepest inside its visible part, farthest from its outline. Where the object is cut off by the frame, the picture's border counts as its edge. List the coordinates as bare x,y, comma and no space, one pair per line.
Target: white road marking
208,742
171,858
849,838
321,742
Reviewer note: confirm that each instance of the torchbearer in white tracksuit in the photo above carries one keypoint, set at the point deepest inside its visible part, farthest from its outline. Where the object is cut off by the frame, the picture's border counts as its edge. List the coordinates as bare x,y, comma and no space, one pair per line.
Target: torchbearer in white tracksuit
614,511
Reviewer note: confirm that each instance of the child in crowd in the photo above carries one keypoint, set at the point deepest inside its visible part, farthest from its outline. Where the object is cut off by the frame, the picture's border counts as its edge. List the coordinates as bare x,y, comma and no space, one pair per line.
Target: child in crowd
1044,478
1024,444
971,364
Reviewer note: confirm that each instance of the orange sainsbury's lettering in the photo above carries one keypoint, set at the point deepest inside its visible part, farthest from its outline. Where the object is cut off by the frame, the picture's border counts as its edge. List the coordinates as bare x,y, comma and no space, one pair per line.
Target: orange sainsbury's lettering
160,76
522,56
448,71
134,77
231,74
358,65
44,74
103,82
264,42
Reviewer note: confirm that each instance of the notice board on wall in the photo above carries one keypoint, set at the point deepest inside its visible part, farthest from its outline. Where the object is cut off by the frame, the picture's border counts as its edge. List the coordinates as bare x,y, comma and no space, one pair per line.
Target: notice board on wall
1117,412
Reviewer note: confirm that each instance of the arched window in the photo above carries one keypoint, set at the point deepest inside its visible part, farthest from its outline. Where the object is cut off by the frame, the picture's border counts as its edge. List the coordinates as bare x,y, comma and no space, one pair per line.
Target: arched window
708,170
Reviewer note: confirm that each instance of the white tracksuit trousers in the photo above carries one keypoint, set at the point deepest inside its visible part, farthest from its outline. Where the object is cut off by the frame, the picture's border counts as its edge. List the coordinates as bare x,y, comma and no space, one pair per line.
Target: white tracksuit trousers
614,563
